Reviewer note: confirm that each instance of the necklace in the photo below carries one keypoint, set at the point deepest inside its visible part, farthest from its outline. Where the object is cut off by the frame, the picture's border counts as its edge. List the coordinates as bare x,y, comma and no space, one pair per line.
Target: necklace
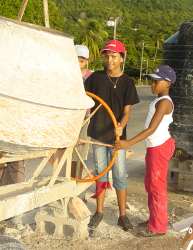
114,82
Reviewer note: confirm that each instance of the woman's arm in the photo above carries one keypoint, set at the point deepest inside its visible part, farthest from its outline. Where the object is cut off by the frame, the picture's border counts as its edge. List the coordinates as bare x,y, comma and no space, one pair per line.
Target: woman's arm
163,107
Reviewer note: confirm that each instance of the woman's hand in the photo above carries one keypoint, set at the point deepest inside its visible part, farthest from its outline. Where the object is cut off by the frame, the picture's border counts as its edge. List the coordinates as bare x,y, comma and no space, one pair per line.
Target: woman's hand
122,144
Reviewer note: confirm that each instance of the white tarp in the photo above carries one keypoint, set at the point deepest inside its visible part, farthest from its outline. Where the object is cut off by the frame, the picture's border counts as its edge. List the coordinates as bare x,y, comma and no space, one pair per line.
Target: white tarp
42,97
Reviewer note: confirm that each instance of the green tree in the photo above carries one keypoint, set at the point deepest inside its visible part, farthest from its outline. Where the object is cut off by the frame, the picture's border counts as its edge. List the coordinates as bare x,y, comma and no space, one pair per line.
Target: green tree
92,35
34,12
148,21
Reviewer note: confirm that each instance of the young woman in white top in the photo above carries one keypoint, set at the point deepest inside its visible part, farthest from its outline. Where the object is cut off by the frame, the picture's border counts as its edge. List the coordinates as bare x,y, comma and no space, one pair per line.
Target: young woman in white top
160,148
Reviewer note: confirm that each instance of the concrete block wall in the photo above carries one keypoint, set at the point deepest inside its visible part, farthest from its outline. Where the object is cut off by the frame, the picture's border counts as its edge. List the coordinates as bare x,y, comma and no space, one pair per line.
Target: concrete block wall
179,55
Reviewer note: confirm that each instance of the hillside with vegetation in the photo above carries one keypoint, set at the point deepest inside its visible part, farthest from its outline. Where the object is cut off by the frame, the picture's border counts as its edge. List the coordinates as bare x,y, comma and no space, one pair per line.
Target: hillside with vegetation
148,21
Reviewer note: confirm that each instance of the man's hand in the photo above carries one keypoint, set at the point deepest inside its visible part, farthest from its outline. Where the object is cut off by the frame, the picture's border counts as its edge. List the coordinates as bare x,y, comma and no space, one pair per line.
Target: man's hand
119,130
122,144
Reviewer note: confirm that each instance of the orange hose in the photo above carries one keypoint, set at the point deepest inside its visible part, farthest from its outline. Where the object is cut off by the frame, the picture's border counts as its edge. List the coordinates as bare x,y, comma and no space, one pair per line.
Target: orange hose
114,155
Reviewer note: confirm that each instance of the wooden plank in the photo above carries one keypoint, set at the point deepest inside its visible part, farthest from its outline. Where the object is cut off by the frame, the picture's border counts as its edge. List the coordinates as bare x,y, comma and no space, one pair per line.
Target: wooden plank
8,190
95,143
46,13
22,10
78,209
91,115
26,156
83,163
41,166
69,163
59,166
18,204
81,187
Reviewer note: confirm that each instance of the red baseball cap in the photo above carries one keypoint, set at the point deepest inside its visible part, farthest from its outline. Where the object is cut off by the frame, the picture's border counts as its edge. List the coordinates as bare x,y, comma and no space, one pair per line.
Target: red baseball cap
114,46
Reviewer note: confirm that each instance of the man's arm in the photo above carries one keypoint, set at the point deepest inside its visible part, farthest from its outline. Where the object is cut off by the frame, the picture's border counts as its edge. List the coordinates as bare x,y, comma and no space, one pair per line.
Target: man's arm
126,115
124,120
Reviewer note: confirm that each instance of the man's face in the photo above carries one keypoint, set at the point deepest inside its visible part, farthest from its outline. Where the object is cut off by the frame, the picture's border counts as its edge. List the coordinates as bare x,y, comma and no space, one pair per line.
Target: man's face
112,60
83,62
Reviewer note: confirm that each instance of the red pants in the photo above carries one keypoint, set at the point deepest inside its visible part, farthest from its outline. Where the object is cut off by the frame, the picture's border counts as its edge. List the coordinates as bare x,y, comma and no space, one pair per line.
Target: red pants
157,159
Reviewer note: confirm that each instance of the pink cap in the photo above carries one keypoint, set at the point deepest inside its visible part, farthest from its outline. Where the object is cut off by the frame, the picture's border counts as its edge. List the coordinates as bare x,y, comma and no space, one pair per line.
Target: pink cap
114,46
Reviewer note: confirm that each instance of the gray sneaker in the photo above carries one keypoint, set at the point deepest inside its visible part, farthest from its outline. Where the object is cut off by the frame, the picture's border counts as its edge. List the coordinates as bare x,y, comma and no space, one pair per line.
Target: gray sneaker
124,223
95,220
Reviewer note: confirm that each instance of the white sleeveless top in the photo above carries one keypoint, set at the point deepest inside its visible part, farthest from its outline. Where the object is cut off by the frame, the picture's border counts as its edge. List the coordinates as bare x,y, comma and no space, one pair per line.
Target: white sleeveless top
161,134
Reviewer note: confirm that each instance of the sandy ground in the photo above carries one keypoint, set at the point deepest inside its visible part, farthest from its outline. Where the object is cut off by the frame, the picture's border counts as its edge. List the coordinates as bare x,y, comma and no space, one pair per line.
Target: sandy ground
108,235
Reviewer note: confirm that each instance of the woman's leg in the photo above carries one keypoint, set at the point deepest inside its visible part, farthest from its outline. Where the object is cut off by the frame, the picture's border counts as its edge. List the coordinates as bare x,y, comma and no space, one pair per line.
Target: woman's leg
157,161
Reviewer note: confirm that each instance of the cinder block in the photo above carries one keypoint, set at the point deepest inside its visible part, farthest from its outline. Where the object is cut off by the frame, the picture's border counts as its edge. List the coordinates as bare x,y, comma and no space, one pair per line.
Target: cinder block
181,174
173,172
185,182
80,228
173,179
186,166
78,209
173,164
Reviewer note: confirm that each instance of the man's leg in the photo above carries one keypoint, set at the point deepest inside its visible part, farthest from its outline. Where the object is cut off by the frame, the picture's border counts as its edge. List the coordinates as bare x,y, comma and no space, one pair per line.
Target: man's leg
101,161
120,184
100,201
122,198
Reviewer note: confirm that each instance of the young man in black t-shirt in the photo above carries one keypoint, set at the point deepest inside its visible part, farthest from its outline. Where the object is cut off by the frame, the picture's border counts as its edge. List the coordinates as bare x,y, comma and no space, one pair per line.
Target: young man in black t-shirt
119,92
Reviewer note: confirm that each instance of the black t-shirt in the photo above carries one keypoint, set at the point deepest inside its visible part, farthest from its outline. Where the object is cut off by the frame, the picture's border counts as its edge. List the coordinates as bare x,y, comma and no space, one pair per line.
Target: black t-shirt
117,97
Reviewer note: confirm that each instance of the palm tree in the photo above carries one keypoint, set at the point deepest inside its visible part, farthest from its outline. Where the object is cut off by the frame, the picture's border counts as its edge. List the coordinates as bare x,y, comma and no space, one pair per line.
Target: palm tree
92,35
